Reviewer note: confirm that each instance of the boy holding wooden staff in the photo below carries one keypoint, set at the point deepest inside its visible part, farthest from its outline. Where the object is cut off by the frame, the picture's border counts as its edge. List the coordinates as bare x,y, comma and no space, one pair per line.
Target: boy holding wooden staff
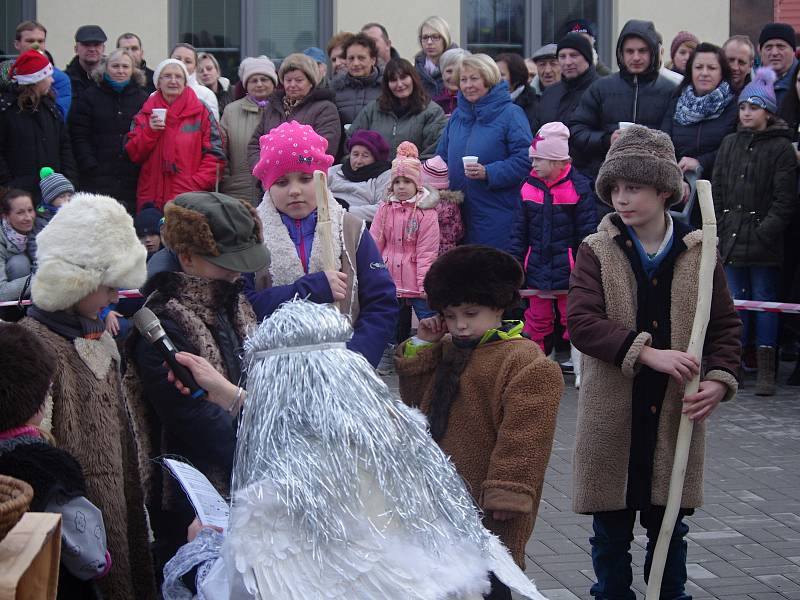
631,305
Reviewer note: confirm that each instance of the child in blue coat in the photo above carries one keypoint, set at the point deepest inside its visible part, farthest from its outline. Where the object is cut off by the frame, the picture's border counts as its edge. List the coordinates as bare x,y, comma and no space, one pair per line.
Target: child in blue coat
558,211
360,283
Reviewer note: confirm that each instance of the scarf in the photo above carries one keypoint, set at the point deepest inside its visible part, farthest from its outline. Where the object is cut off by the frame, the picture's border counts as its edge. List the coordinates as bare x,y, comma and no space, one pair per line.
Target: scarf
692,109
117,86
258,103
290,104
366,172
68,325
448,373
183,106
17,239
431,68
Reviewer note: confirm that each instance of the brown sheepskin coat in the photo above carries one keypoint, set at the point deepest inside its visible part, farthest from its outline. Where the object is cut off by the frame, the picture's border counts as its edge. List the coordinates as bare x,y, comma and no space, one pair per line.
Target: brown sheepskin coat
91,421
501,426
603,314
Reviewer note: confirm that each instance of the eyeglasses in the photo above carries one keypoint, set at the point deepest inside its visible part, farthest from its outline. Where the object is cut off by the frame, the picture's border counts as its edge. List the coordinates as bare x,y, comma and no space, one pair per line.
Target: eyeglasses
170,77
430,37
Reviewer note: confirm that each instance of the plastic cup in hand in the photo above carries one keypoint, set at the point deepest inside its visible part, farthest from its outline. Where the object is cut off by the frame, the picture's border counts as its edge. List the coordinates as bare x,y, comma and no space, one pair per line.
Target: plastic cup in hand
469,160
160,114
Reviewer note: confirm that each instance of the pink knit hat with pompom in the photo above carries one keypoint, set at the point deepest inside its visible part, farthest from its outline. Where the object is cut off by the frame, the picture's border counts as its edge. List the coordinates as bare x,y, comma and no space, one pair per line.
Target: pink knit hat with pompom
289,148
407,164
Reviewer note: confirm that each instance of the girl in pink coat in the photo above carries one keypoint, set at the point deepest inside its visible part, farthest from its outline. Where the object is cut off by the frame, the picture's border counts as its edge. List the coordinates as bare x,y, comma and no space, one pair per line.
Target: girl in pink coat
406,231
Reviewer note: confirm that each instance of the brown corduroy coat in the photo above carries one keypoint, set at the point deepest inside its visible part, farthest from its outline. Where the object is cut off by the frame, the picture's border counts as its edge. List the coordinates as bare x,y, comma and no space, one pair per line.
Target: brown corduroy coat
501,426
91,421
602,319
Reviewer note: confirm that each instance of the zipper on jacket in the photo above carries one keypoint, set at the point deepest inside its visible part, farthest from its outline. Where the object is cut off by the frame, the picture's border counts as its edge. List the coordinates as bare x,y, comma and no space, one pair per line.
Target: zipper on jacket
635,96
303,259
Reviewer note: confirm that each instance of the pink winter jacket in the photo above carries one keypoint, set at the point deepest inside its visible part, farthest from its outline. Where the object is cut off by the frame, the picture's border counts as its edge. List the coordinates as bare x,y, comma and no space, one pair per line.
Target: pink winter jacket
407,236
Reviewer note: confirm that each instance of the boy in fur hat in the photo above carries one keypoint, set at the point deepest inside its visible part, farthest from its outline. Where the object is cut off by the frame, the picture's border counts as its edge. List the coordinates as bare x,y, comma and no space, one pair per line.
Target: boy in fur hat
87,252
631,306
27,367
490,395
361,285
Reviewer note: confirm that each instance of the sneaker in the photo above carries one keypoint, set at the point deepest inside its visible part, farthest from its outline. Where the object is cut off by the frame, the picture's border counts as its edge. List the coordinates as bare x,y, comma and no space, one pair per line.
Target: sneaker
386,366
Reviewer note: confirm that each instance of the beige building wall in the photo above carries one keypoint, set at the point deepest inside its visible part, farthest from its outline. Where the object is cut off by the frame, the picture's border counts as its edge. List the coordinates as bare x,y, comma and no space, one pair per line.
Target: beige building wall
401,19
146,18
709,20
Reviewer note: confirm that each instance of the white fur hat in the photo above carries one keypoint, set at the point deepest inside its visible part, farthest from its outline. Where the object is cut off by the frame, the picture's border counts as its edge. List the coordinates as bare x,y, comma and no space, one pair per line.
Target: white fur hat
90,242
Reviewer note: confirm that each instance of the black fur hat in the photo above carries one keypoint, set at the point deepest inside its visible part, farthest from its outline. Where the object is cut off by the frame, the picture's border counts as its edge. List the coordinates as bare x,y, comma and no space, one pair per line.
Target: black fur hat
474,275
27,367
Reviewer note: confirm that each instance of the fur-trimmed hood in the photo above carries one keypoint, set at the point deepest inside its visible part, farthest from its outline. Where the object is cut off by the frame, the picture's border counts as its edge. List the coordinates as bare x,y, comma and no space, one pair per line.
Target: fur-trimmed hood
429,199
452,196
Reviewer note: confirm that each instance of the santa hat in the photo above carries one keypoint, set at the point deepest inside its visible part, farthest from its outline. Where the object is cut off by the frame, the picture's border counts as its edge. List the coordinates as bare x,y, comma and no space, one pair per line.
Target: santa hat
107,252
406,164
31,67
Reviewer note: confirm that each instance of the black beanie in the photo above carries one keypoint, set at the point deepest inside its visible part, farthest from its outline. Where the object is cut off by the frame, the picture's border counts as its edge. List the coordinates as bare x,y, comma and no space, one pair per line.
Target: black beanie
578,42
778,31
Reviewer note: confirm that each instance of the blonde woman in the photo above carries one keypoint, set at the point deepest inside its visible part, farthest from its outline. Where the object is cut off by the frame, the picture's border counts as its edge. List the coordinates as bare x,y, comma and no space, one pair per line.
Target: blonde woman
434,40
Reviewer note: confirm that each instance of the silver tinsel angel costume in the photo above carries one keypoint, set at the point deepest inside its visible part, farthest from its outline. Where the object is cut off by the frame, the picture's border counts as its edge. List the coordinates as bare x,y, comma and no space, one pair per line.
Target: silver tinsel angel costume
339,490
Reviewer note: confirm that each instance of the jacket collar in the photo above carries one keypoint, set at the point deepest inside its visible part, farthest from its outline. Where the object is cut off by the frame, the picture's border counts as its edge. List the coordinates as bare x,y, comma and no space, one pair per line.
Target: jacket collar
586,77
486,108
612,226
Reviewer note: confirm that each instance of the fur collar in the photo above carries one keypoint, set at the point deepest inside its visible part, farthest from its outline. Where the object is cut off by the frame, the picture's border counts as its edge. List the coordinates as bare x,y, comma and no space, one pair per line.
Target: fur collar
428,199
285,267
610,225
204,297
451,196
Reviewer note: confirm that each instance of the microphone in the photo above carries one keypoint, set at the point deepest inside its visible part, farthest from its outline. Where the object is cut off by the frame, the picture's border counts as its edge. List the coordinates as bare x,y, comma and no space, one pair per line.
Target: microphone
150,327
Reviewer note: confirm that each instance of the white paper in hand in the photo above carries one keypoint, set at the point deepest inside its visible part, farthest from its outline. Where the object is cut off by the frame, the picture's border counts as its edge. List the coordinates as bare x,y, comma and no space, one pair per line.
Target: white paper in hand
210,507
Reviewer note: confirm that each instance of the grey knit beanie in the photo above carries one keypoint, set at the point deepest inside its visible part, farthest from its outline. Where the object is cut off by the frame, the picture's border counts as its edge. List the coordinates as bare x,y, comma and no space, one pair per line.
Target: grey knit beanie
641,155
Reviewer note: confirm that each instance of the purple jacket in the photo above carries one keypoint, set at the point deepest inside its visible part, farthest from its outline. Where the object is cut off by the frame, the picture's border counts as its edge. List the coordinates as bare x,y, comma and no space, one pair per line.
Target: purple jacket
377,299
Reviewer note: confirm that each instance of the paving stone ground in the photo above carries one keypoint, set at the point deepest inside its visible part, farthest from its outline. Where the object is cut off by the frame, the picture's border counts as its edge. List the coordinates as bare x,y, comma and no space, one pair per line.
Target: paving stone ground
744,543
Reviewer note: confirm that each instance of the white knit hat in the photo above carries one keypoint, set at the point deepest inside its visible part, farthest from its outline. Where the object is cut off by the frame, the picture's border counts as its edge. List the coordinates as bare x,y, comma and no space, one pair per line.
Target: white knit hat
90,242
164,63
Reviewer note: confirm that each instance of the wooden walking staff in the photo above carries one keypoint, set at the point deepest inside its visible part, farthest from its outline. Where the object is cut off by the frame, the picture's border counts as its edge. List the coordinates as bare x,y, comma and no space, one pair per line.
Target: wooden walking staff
708,261
324,223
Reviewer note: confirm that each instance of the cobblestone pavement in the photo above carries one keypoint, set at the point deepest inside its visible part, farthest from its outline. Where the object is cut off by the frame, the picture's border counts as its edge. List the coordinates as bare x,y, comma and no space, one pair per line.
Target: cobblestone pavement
744,544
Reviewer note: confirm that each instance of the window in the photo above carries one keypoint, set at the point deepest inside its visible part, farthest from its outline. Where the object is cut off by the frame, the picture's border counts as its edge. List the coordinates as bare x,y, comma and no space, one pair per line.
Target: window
12,13
495,26
233,29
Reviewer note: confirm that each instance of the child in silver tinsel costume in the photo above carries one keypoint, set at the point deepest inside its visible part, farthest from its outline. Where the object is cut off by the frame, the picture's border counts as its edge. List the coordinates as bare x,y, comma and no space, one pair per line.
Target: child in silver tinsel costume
339,491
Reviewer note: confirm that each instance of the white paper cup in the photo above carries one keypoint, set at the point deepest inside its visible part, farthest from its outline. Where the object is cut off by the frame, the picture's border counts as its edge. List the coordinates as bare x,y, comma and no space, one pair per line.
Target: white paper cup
469,160
160,114
625,124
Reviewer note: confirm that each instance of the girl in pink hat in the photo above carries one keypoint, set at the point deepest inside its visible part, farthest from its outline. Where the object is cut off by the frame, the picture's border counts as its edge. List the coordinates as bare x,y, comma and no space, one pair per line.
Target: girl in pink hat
406,231
360,284
558,211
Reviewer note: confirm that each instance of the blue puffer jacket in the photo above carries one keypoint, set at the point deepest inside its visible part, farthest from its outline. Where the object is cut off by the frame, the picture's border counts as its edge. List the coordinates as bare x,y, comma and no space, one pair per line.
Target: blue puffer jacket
554,220
496,131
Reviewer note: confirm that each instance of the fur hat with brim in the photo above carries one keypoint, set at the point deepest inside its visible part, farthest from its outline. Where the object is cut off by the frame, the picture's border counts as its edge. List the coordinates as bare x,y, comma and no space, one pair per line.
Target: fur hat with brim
644,156
27,367
90,242
474,275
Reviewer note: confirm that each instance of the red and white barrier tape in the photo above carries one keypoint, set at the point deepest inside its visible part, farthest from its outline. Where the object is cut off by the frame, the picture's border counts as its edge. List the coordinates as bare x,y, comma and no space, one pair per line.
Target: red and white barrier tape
751,305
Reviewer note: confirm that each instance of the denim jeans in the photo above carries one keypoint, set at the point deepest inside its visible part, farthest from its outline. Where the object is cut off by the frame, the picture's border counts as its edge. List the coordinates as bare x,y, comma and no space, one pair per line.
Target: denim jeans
17,266
756,283
611,558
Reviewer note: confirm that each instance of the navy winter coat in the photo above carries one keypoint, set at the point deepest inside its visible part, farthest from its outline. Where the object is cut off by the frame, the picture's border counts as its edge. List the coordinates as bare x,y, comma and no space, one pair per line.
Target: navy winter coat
701,140
497,132
553,220
641,99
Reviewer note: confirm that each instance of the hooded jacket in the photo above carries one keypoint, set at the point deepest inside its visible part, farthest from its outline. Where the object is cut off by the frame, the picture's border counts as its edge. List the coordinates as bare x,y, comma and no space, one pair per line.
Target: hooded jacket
354,93
423,129
554,219
755,195
185,157
316,109
30,140
496,131
623,96
98,126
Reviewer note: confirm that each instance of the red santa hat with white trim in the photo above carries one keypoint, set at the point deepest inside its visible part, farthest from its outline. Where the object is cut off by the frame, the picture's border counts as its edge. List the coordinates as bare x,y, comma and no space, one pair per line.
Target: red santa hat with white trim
31,67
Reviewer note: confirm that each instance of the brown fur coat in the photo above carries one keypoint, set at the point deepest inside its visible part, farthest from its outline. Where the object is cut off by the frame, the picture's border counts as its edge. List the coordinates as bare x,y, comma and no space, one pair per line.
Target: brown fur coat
501,426
91,421
602,309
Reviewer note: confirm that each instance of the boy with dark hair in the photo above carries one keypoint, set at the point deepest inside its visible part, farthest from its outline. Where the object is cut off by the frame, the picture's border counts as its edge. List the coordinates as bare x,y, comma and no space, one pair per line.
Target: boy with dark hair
631,305
490,395
27,367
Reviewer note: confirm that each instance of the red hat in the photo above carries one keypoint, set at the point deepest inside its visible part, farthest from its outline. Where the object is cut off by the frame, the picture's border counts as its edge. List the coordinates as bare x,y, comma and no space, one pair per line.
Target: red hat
31,67
288,148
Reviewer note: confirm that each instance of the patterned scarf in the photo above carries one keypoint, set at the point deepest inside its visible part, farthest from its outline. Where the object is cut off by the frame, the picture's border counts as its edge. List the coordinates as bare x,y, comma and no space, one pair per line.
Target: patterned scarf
19,240
290,104
692,109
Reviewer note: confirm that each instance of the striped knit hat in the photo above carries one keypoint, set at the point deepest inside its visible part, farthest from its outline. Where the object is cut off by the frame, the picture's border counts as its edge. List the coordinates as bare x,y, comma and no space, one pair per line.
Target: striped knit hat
53,185
435,174
406,164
